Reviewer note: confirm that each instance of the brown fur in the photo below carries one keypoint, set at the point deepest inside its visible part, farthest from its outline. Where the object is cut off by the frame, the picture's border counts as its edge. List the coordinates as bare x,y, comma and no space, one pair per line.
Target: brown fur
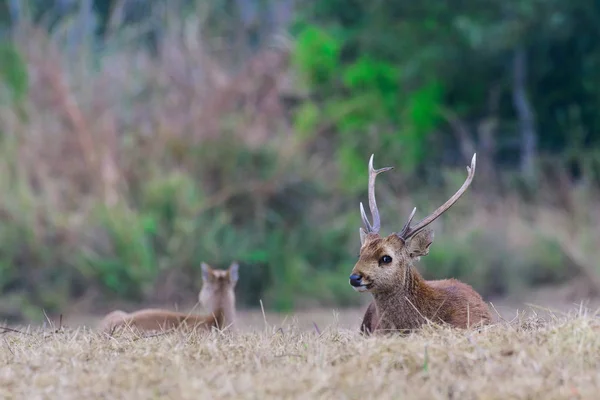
217,295
402,299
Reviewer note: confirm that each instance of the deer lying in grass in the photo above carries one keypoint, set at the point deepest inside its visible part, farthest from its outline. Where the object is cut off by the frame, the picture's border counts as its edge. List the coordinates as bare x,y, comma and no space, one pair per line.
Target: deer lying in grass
402,299
217,295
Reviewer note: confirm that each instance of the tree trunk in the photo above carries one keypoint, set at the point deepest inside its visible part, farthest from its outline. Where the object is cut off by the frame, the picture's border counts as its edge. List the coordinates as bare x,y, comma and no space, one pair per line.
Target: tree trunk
524,114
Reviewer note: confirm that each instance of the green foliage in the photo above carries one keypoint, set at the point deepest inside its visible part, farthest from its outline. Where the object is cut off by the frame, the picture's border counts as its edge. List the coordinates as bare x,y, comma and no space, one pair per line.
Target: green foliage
364,95
422,119
13,72
460,57
317,55
127,262
546,263
307,120
413,83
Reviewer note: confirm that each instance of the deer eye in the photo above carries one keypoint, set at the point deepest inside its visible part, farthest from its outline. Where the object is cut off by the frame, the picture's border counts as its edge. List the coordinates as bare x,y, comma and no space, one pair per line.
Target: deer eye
385,259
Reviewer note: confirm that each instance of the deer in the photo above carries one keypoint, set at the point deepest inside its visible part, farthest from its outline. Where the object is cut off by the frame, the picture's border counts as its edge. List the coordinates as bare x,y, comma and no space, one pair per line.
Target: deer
402,299
217,295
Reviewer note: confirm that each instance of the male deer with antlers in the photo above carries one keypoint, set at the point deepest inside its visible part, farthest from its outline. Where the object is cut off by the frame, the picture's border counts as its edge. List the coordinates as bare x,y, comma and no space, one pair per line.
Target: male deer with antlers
217,295
402,299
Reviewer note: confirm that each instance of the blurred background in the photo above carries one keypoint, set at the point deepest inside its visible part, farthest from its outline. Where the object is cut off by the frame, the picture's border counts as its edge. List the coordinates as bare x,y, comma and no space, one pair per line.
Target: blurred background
140,138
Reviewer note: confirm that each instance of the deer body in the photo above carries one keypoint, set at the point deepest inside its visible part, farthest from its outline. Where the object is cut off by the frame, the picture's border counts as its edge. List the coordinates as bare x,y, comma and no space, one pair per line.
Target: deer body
158,319
402,299
448,301
217,295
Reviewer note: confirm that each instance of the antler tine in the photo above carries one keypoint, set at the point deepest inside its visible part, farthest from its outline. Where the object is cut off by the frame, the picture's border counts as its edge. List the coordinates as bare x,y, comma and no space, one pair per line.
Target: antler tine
374,228
408,232
365,220
406,226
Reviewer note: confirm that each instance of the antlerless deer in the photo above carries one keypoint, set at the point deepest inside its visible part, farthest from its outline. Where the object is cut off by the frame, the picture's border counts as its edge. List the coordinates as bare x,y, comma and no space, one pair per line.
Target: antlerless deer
402,299
217,295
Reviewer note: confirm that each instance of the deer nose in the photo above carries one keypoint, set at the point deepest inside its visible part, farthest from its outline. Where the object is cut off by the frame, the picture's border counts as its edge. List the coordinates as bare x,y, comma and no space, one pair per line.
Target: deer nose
355,280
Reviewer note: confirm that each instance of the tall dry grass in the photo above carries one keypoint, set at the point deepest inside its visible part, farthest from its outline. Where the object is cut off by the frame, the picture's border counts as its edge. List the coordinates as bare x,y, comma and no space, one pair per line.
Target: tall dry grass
523,358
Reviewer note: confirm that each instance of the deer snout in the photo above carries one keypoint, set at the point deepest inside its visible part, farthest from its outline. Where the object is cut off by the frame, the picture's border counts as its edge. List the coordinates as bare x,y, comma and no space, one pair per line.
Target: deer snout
355,280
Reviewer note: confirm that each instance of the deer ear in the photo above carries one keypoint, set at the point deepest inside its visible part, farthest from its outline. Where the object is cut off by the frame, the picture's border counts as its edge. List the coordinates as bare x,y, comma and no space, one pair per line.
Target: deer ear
233,272
206,271
363,235
419,244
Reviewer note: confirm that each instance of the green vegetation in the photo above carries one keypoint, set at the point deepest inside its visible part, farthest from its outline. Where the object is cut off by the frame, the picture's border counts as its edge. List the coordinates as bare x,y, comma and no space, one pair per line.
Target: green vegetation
136,142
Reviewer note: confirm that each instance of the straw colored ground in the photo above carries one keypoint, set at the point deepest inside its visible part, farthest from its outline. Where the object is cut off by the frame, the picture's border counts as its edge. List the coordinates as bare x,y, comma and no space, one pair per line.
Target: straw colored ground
554,356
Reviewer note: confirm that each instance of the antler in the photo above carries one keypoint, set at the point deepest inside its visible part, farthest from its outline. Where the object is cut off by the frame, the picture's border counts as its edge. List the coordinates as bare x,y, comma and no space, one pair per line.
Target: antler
407,231
372,203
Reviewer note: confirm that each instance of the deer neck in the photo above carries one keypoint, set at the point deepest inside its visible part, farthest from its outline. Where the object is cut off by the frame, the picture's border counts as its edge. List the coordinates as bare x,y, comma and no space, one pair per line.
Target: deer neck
407,306
223,312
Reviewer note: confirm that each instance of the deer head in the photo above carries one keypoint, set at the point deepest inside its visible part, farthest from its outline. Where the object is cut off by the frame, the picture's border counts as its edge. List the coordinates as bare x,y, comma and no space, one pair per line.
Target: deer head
218,286
384,261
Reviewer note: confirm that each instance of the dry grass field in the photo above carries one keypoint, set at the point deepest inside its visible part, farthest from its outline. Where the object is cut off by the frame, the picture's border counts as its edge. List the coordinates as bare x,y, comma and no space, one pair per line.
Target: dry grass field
556,355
